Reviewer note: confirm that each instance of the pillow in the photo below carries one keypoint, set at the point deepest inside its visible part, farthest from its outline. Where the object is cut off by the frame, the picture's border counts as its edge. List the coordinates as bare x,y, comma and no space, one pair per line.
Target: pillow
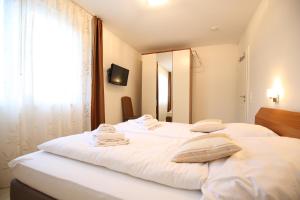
248,130
206,148
207,126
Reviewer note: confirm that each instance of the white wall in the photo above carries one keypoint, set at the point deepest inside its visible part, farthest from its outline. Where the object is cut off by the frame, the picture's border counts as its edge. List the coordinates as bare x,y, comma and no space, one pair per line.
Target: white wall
214,82
149,84
274,39
118,52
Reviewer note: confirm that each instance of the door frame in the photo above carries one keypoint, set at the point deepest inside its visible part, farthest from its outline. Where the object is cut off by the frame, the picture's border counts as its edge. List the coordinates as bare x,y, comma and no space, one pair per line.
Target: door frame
244,62
247,84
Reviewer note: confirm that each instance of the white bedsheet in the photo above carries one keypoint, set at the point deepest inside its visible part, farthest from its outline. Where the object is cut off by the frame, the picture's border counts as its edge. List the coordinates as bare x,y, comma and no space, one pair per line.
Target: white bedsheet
147,157
68,179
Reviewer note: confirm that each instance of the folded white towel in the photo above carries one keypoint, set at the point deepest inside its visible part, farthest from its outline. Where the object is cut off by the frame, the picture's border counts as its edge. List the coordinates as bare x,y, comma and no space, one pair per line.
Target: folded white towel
110,136
144,118
154,126
106,135
151,125
148,123
106,128
109,142
112,143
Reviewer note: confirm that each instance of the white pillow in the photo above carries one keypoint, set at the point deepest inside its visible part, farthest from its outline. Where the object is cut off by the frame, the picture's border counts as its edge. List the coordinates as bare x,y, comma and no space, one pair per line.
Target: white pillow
248,130
206,148
208,125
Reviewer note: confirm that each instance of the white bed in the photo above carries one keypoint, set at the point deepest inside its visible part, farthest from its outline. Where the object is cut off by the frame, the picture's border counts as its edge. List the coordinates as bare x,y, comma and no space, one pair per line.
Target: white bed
56,176
244,172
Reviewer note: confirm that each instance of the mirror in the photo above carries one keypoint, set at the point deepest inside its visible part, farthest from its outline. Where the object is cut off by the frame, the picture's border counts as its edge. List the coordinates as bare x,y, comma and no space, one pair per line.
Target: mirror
164,86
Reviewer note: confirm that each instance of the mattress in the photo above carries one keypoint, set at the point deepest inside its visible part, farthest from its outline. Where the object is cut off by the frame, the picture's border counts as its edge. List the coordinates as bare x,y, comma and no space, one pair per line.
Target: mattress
64,178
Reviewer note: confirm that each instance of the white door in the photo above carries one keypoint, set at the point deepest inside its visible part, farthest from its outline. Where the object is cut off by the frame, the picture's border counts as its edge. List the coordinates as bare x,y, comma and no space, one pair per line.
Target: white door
242,110
181,86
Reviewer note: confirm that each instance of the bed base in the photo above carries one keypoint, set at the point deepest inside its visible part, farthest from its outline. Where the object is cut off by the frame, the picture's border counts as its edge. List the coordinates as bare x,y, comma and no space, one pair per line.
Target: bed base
20,191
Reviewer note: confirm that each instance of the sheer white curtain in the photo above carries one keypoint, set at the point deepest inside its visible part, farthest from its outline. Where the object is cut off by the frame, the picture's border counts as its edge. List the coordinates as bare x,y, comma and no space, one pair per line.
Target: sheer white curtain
45,66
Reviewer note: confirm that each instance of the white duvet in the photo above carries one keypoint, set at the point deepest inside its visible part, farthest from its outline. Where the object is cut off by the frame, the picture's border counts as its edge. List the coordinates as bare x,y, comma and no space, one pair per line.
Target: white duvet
147,157
268,168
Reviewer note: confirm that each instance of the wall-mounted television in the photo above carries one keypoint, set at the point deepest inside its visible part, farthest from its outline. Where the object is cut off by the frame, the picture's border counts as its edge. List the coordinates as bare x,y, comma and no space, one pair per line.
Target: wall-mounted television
118,75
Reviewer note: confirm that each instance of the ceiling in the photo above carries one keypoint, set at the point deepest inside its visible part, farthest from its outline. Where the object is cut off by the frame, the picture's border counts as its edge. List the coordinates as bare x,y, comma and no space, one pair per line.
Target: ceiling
177,24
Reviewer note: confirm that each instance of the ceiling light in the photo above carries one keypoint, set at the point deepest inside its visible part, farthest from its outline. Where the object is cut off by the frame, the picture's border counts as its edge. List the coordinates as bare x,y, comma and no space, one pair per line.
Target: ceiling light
157,2
214,28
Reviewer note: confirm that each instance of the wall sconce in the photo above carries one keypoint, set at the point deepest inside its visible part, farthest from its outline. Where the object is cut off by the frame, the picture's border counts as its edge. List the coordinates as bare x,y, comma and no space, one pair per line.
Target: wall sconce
273,95
276,92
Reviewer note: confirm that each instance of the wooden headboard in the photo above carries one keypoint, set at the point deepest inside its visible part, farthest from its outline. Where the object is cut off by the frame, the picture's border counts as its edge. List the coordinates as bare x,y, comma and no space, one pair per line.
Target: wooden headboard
282,122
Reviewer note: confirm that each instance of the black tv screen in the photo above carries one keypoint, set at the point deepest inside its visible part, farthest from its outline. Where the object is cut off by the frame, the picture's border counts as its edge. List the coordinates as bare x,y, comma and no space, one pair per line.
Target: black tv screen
118,75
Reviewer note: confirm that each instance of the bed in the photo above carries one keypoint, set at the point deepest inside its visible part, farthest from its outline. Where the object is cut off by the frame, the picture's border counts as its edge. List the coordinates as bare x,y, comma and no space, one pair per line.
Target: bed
43,175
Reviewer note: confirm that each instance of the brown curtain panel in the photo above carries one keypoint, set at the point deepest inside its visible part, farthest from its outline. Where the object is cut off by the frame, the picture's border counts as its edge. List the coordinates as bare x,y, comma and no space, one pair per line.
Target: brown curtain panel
169,91
97,104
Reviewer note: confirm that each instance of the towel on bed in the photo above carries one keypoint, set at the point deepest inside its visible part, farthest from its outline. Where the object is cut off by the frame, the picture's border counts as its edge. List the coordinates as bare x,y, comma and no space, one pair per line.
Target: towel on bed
106,135
106,128
146,122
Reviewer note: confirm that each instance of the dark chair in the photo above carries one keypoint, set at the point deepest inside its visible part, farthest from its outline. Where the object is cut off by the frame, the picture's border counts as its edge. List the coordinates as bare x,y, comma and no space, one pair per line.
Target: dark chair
127,109
168,119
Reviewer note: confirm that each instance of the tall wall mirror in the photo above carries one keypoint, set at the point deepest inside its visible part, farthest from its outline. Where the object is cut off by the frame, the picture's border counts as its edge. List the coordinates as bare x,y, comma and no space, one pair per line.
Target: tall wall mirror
164,86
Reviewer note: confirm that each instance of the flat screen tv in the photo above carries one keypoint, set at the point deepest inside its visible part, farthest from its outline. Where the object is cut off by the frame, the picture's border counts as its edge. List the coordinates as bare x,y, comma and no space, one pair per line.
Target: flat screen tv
118,75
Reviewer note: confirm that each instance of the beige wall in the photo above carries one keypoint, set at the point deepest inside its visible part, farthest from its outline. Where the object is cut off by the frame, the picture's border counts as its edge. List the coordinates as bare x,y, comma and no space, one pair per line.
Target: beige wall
149,84
118,52
214,82
274,39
